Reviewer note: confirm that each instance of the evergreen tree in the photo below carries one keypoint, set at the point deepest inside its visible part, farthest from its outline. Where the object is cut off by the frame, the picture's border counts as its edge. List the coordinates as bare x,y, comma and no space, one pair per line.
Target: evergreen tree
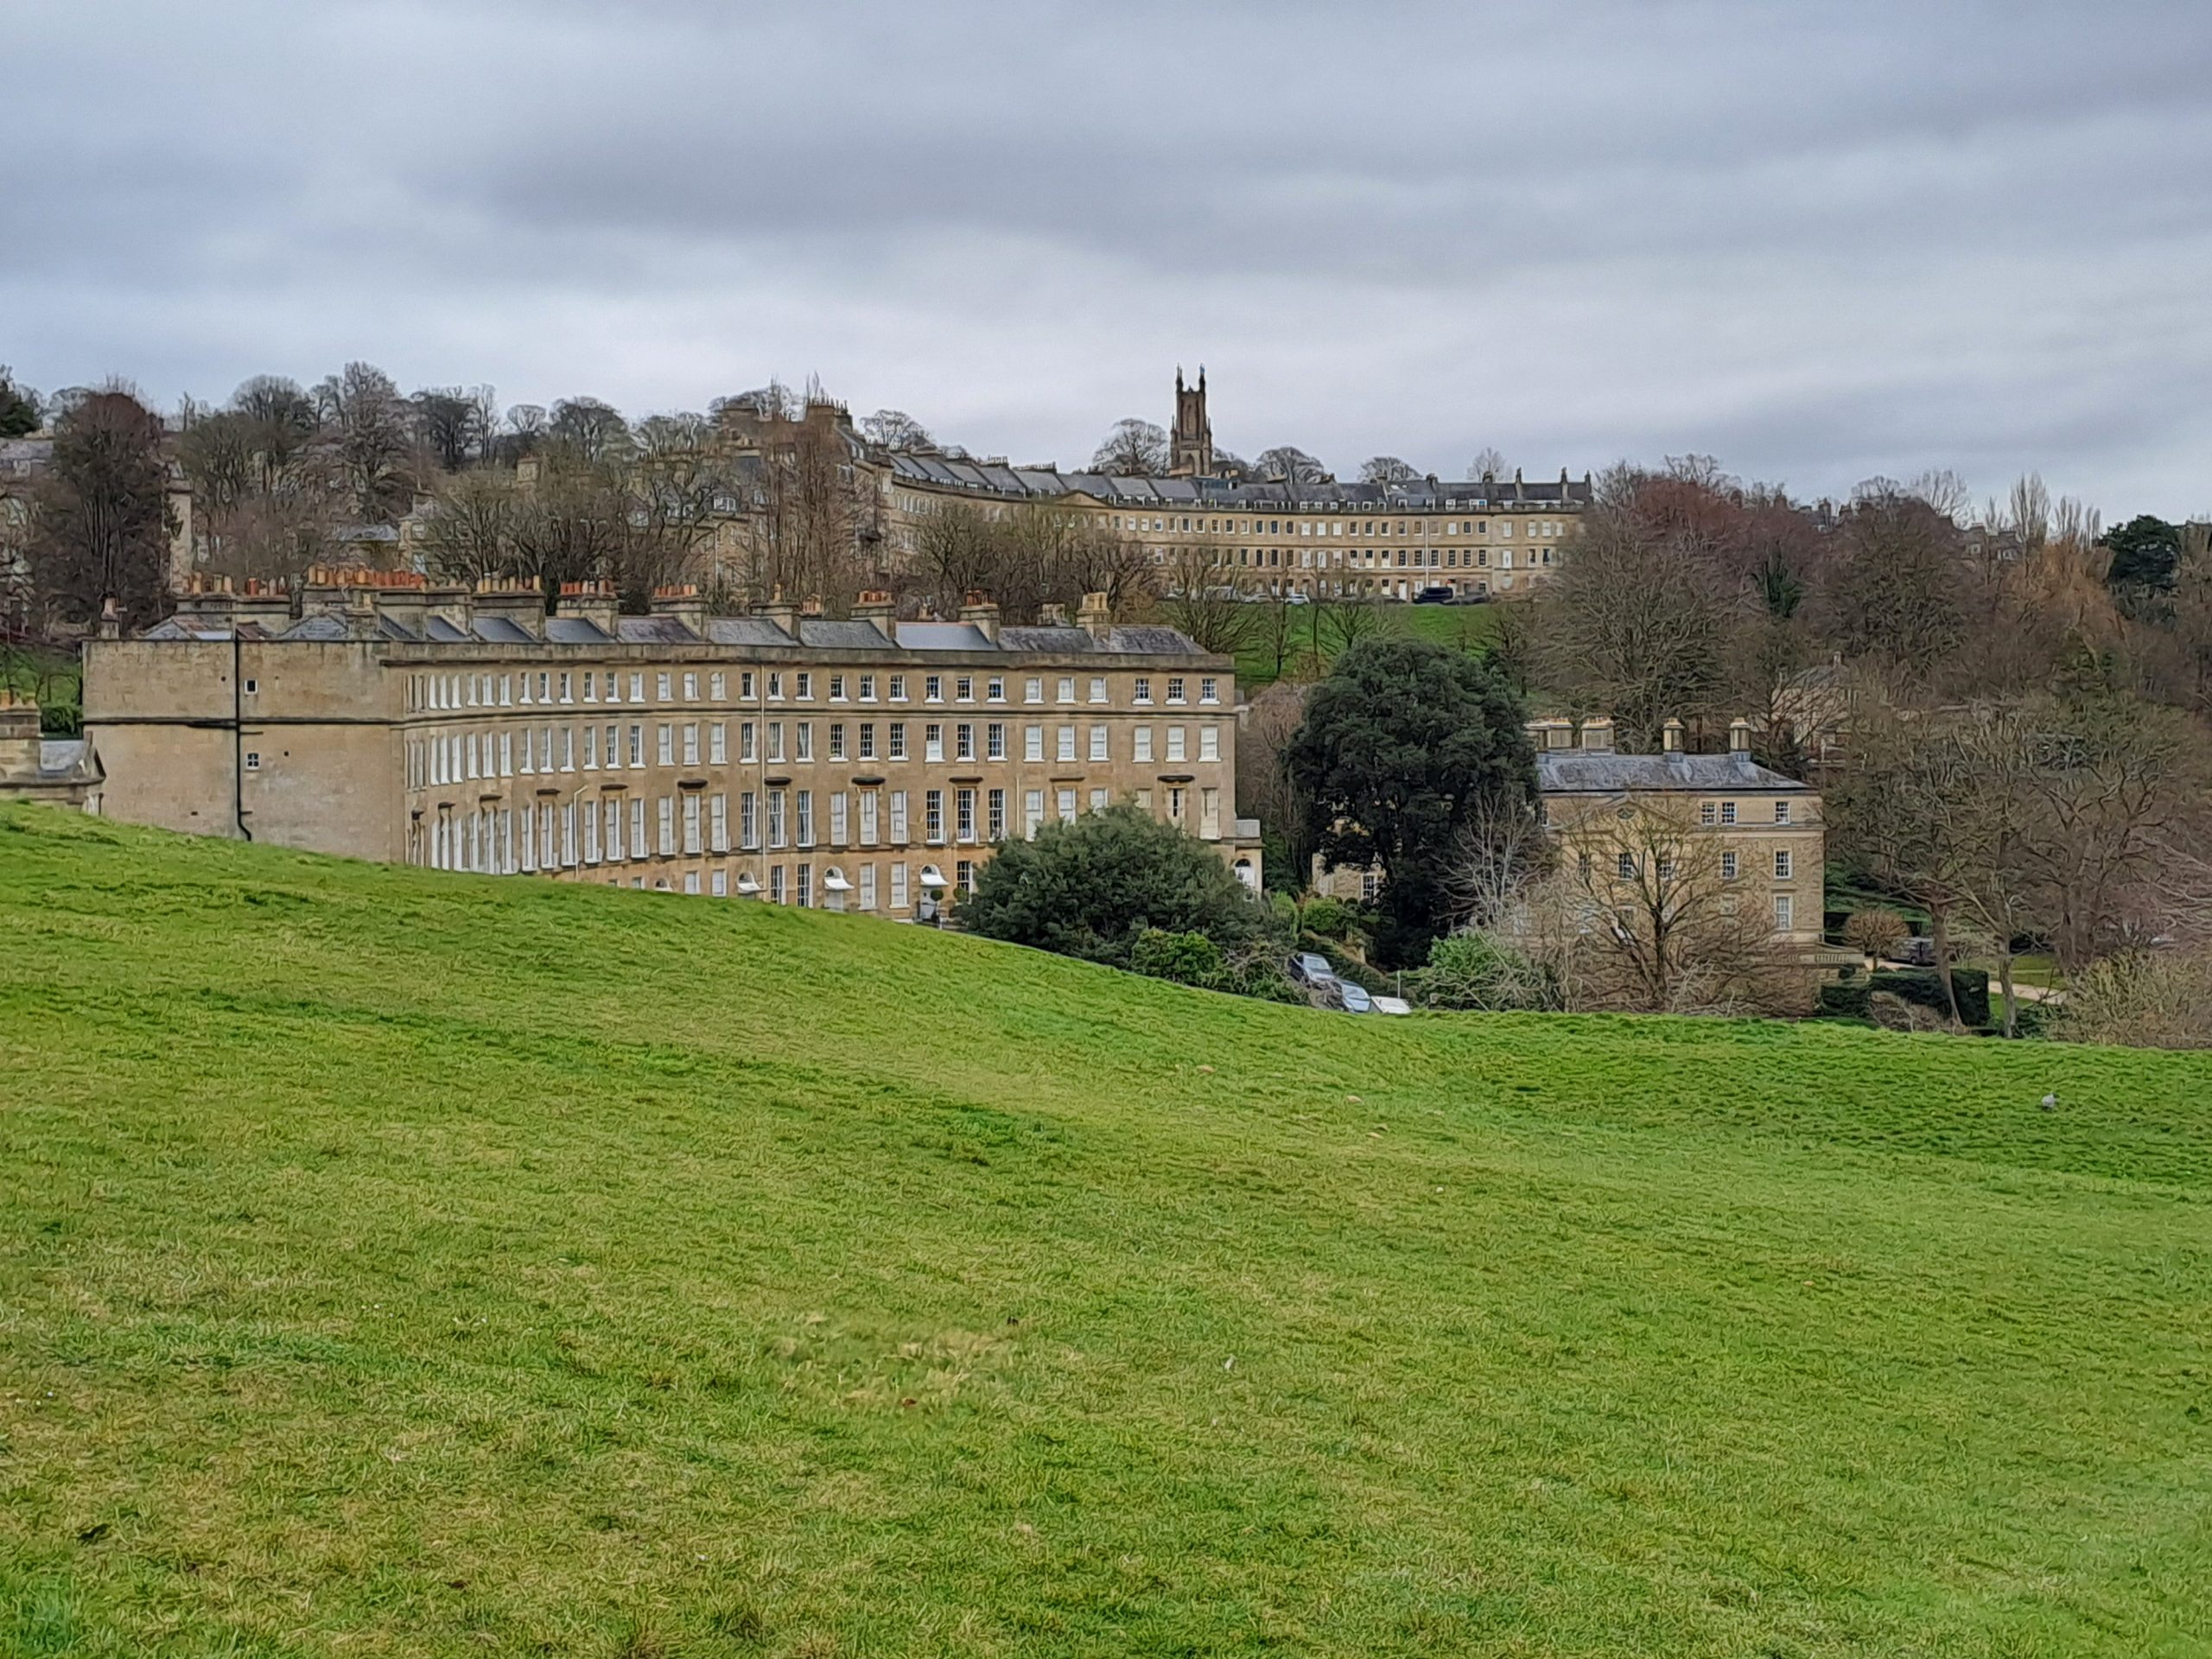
1407,749
18,406
2144,552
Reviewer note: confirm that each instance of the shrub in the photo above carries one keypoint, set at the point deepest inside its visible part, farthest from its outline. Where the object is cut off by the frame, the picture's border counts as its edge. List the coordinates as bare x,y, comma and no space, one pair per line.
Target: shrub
1261,975
1923,986
1186,958
1331,918
1474,970
1889,1011
2157,1001
1090,888
1852,1002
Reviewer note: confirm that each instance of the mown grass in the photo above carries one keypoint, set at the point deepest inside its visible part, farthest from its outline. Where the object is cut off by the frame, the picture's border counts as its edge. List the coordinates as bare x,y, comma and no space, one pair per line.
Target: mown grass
398,1263
1309,651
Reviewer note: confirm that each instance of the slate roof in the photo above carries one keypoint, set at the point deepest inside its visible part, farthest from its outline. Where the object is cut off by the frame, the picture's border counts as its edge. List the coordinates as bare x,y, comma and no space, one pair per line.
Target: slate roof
746,631
942,636
831,634
1157,641
322,626
68,760
175,628
1060,640
818,633
653,631
1219,494
1586,771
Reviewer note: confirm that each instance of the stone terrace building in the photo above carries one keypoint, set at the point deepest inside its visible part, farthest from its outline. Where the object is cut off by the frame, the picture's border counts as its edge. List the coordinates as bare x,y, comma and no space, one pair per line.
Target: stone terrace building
865,764
1768,827
1766,830
1491,537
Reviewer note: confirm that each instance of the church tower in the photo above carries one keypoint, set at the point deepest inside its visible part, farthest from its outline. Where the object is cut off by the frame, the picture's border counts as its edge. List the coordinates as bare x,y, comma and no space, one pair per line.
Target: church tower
1191,449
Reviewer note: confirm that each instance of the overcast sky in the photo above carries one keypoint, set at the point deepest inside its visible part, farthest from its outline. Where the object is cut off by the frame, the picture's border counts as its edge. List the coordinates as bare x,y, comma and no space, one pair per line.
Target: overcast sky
1820,241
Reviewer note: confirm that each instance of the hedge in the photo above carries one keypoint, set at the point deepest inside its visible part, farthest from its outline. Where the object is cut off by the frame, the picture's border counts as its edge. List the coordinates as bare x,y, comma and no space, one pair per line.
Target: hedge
1850,1002
1924,986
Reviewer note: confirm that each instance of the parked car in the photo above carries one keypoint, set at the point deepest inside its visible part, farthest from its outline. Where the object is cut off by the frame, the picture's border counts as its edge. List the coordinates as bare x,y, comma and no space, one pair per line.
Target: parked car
1918,951
1472,598
1392,1005
1307,968
1434,596
1354,999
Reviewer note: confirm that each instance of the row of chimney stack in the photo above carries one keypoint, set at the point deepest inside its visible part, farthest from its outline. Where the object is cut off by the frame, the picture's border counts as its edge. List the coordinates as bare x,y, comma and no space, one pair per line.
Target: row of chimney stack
412,599
1595,737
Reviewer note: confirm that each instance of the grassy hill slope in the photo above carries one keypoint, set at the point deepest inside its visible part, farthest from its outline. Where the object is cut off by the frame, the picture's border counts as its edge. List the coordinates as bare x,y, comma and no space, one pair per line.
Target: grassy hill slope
398,1263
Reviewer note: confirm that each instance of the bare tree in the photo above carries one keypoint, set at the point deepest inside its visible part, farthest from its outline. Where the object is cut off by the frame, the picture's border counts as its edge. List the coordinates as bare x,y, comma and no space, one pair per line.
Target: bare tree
1647,618
1890,811
1893,593
219,459
474,527
2115,792
676,484
665,438
893,429
1204,596
273,539
1265,786
1640,915
368,428
572,525
1133,448
1502,851
1290,465
2190,629
525,433
445,425
1991,814
1487,467
813,528
1342,620
1387,469
1875,932
1098,561
1943,490
957,550
101,525
1276,631
593,430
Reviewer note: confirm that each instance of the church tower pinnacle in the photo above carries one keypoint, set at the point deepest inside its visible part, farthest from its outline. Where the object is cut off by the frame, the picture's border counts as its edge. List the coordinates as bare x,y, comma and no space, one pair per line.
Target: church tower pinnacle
1190,446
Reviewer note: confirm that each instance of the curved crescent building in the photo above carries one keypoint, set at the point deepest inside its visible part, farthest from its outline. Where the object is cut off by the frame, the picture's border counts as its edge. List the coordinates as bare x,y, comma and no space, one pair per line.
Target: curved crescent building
1483,538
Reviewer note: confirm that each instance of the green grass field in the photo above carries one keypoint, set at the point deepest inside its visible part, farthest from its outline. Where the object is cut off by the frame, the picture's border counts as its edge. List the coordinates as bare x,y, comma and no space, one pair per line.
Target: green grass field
403,1264
1468,627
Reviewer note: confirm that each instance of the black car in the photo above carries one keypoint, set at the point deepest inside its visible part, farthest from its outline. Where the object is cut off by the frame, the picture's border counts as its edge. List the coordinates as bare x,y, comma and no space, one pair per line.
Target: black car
1434,596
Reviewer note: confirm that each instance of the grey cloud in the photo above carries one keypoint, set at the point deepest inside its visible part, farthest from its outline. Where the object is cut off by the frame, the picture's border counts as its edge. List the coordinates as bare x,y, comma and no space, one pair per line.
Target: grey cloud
1820,241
